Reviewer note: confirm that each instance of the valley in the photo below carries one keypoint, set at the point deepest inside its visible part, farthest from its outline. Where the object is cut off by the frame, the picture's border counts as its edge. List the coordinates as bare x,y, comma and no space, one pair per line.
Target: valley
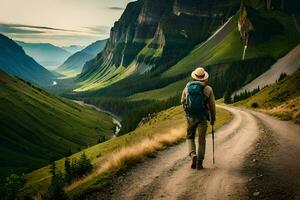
102,119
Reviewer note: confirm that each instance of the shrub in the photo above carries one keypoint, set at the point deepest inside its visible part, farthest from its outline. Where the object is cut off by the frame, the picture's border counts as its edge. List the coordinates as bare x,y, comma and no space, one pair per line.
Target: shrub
12,185
282,76
254,105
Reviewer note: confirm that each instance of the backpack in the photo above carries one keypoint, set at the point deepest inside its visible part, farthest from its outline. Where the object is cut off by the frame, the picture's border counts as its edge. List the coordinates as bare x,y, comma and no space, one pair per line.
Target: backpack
195,105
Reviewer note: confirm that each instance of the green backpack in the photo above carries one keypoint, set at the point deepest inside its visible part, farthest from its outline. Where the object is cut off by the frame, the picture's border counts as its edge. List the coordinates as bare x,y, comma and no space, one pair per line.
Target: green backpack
195,105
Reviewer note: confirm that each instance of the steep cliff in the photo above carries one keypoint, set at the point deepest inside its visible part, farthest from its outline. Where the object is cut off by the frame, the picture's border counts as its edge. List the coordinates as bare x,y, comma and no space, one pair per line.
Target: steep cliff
153,35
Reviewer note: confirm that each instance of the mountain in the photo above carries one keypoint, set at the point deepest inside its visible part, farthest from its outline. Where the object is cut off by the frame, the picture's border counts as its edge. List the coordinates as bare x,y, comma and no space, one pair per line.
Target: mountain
14,61
45,54
73,48
155,46
152,34
74,64
37,127
152,37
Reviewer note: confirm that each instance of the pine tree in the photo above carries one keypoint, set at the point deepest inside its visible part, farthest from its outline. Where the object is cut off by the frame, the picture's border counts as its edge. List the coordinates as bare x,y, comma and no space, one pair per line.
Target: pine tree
227,97
56,189
68,170
53,169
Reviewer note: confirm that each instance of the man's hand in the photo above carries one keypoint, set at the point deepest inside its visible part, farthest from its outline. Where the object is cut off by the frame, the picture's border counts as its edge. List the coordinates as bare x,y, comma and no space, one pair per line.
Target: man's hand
212,122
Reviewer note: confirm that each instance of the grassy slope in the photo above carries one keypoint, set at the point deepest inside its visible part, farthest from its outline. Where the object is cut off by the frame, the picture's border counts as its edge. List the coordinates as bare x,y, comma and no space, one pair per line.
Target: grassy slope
281,99
162,124
226,47
162,93
36,126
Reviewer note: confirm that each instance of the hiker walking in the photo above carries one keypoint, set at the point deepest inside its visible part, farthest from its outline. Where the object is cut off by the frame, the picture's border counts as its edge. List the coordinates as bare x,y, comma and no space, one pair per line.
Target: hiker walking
198,101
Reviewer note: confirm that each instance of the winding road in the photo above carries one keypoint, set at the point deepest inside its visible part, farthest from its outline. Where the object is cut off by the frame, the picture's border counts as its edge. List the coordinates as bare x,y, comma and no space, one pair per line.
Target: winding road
257,157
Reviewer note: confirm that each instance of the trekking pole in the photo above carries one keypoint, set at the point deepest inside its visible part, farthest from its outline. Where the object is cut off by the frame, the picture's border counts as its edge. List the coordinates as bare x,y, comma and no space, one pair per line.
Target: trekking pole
213,142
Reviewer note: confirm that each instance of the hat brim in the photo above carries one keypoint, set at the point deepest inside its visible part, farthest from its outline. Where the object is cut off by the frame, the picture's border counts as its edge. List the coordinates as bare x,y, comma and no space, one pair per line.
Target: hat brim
200,79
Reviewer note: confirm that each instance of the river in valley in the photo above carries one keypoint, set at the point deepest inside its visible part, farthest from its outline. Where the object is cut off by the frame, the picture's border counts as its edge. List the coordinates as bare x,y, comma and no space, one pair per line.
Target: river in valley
116,120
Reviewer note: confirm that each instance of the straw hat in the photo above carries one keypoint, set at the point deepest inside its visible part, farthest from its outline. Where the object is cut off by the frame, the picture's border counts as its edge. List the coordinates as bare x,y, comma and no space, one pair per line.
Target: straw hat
200,74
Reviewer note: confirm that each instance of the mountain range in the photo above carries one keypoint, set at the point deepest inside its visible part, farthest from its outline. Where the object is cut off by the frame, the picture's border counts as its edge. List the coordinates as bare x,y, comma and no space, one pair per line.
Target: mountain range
48,55
73,48
14,61
142,69
74,64
169,39
154,47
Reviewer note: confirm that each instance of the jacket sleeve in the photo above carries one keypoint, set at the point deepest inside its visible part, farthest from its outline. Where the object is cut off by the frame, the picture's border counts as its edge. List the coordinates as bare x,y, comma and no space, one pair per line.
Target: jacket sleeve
183,96
212,105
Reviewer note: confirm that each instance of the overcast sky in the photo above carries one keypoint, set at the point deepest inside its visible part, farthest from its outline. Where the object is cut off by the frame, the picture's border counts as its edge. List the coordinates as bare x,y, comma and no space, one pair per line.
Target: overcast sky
60,22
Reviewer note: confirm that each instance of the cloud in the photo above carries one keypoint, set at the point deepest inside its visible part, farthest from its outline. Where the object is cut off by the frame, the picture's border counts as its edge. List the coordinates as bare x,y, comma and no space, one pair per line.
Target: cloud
28,29
115,8
102,30
58,36
59,39
5,28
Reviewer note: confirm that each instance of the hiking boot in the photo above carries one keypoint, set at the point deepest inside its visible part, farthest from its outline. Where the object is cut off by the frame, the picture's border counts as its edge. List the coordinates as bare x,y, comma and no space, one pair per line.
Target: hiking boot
200,164
194,162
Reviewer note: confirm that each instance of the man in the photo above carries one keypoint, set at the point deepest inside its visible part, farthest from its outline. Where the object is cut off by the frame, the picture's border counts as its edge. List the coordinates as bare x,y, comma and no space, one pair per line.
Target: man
197,99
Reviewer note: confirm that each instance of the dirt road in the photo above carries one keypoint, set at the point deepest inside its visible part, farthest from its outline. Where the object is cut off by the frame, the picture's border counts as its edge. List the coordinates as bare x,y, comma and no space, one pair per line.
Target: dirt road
257,157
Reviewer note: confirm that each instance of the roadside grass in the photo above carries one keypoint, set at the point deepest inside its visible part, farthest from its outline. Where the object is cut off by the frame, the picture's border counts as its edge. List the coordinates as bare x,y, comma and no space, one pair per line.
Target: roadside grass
280,99
289,110
166,128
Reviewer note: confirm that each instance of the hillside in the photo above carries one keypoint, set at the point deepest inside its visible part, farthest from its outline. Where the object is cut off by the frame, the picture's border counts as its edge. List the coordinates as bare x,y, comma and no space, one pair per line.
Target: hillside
37,127
74,64
48,55
14,61
287,64
281,99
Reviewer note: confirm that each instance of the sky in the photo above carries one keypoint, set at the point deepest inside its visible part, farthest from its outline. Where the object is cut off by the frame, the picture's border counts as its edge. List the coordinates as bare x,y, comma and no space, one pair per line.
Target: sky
60,22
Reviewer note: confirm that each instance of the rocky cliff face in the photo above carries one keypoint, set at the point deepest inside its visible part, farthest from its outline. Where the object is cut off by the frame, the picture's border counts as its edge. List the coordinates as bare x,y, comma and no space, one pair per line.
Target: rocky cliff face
158,33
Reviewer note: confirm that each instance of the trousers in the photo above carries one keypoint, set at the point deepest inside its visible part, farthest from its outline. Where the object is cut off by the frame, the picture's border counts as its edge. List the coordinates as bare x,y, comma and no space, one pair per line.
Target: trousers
196,125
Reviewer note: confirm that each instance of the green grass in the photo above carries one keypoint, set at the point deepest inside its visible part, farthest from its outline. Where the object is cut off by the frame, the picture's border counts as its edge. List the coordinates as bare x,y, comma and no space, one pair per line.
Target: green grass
161,94
108,76
280,99
68,73
37,127
163,123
